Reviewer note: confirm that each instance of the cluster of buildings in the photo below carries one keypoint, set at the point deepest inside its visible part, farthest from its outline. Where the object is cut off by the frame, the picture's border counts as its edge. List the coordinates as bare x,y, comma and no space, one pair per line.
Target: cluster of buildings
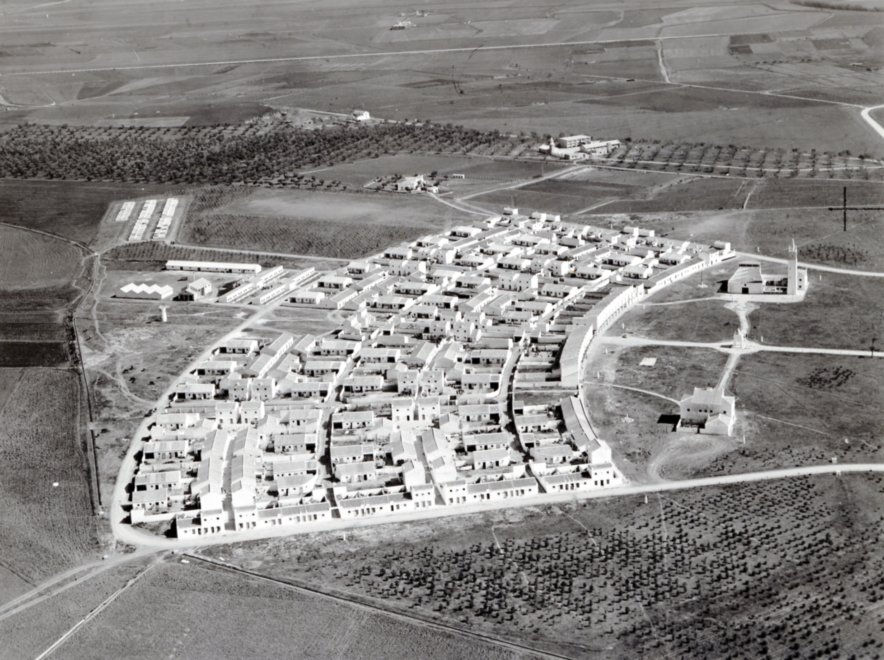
145,218
579,147
252,284
419,399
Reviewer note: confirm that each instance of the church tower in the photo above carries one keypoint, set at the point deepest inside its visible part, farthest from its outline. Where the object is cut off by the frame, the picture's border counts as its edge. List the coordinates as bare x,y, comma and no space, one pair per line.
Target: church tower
792,282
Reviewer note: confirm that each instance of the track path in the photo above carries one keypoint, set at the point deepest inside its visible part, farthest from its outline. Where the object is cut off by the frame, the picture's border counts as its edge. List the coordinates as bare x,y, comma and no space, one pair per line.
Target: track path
866,114
94,613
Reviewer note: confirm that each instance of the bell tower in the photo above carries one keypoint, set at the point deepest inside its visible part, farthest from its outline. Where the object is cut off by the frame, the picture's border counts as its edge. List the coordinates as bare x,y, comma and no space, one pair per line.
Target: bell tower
792,282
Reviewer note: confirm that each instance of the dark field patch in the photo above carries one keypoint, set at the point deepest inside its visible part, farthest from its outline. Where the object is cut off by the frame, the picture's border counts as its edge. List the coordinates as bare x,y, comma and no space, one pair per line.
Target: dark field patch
32,331
309,237
681,99
32,354
778,193
745,39
153,256
71,209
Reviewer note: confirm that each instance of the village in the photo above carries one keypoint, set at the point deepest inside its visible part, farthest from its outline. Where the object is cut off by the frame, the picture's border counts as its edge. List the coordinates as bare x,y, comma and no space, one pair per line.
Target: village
425,397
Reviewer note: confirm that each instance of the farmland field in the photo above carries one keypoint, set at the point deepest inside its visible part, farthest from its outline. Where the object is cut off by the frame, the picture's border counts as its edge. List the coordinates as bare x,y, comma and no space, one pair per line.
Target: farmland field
208,608
48,524
28,633
333,225
33,354
32,261
722,572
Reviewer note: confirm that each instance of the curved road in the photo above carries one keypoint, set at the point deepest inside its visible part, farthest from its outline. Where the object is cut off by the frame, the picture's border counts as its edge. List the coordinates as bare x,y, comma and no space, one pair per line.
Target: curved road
866,114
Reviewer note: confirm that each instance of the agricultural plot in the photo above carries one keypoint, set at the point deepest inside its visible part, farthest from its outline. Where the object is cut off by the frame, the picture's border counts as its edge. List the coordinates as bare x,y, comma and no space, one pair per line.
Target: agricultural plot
182,156
785,567
34,261
209,606
152,256
30,632
33,354
48,526
712,158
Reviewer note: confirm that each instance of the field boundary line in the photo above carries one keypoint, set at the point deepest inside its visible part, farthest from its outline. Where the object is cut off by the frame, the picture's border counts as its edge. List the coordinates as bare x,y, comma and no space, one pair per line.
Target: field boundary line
357,602
94,613
89,251
436,51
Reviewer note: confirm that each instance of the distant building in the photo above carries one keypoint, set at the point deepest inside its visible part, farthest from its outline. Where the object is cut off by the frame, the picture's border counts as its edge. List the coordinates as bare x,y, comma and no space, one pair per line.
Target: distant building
571,141
361,115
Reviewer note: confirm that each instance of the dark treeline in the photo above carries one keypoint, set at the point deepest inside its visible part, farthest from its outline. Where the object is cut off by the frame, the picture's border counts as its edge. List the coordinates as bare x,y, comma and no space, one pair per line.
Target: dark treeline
216,154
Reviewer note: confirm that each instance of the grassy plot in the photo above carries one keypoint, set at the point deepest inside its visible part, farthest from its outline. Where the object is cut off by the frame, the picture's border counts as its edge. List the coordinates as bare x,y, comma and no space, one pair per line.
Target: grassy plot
33,354
332,225
33,261
699,321
838,311
207,607
48,523
724,572
800,409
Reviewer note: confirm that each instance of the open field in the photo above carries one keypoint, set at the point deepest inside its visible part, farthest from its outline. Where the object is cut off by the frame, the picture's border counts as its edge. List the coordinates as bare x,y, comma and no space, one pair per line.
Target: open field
333,225
728,572
72,209
839,311
700,321
688,193
208,608
32,261
28,633
48,522
800,409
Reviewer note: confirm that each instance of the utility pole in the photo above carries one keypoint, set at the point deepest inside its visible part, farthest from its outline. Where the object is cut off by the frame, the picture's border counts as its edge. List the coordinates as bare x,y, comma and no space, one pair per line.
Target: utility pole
844,208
